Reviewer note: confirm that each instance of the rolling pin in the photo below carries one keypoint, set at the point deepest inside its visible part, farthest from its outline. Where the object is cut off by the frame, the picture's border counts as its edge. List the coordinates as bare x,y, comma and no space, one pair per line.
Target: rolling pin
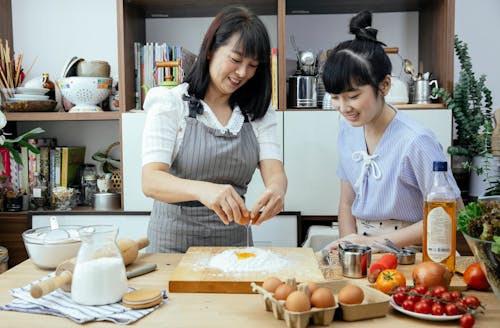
64,271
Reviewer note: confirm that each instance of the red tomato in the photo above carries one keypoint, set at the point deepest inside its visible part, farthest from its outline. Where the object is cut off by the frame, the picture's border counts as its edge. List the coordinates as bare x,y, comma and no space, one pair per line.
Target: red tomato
399,298
451,309
474,277
421,289
438,290
467,321
408,305
472,302
401,289
461,306
455,294
422,307
437,309
414,297
446,297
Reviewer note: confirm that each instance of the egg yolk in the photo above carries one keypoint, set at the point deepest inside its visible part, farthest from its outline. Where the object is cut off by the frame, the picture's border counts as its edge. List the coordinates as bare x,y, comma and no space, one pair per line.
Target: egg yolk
244,255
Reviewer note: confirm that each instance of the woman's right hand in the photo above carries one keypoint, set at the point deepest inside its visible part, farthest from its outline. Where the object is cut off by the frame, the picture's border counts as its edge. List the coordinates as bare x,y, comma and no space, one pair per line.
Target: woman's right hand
224,201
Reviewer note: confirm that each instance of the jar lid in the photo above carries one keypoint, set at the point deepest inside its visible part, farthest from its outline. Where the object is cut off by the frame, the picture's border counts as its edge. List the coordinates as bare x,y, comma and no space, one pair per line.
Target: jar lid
142,298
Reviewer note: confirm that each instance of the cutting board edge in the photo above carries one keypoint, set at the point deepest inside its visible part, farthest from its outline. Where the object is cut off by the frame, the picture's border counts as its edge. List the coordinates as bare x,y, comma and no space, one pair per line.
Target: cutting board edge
229,287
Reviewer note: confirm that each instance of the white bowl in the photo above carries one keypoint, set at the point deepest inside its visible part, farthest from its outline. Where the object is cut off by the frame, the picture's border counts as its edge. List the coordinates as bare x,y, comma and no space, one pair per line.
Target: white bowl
32,91
85,92
48,253
22,96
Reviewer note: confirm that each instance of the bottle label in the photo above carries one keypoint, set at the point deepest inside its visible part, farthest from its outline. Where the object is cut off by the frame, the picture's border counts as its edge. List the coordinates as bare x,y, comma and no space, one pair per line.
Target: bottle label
37,192
438,234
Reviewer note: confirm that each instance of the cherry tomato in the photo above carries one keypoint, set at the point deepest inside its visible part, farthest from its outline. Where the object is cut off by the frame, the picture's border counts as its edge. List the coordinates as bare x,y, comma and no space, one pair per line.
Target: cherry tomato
422,307
414,297
437,309
461,306
399,298
451,309
438,290
467,321
408,305
455,294
472,302
446,297
421,289
474,277
401,289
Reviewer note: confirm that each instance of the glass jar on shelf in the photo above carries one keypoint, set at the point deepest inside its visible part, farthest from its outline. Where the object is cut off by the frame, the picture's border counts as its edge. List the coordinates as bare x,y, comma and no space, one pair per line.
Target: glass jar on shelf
89,184
38,193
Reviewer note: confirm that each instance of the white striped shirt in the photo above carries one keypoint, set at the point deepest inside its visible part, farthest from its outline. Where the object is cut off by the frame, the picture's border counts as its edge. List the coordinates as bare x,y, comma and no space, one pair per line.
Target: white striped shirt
398,174
166,121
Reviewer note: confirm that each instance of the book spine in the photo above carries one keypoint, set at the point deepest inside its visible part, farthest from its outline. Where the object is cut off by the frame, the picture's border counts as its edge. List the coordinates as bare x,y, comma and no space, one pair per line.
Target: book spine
24,176
45,163
4,153
14,173
64,166
57,166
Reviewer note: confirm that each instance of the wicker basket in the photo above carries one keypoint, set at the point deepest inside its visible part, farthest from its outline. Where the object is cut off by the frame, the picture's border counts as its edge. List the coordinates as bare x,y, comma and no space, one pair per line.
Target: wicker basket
116,172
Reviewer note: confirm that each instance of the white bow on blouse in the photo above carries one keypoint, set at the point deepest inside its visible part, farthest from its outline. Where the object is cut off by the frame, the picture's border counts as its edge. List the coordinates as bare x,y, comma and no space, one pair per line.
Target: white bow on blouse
369,166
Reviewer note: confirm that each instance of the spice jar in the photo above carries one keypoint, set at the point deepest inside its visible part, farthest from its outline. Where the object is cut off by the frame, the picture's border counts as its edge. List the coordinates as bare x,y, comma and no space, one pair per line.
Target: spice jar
99,276
89,184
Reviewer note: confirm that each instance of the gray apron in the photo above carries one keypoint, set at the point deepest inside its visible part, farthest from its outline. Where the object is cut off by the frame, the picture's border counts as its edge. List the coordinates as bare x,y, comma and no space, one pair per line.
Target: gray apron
206,155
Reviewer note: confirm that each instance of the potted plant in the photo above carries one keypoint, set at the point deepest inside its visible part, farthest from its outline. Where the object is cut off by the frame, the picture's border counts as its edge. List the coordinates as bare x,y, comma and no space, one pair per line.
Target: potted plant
471,105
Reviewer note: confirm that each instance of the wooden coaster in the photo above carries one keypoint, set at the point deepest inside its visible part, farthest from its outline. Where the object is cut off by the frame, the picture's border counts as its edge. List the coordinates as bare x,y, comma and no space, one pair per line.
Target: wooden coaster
142,298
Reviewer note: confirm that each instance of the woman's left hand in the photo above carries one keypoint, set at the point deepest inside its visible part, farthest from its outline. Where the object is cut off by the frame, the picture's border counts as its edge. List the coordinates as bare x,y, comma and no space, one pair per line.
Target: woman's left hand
269,204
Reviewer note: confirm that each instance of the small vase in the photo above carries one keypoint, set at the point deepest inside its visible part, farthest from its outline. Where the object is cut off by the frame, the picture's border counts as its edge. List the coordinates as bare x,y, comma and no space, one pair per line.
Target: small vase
489,261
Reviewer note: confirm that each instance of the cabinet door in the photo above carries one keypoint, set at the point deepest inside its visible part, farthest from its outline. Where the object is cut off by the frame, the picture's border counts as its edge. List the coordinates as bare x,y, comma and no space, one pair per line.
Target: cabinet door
256,186
310,155
133,198
280,231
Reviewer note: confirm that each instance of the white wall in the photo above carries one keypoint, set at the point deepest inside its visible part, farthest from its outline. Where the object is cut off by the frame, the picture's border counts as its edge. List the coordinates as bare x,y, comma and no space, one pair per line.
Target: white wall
478,23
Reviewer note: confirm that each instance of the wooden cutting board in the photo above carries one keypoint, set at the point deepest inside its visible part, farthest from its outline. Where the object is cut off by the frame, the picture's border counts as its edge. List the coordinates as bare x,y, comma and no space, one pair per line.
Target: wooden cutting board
192,274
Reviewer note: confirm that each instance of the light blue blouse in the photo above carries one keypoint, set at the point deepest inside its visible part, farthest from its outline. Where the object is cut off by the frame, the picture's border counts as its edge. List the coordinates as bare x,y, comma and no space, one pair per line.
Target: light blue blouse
392,182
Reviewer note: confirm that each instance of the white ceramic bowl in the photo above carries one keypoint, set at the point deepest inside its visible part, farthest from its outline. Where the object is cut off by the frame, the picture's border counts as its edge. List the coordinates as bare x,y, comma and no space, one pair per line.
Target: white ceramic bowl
95,68
85,92
48,252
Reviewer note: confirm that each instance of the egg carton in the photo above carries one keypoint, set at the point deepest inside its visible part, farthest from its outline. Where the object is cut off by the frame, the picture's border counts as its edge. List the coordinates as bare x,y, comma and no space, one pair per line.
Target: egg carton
316,316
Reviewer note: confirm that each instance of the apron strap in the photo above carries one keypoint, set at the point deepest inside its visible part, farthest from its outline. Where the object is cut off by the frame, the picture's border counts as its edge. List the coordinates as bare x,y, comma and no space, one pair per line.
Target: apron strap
195,105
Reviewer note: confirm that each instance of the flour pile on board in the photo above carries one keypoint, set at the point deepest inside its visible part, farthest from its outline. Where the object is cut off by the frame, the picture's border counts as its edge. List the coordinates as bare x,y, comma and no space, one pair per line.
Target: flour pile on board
237,260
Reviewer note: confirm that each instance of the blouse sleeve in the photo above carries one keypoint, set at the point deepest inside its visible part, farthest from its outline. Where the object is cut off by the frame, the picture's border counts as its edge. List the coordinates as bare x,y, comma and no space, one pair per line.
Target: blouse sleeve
417,167
164,112
266,131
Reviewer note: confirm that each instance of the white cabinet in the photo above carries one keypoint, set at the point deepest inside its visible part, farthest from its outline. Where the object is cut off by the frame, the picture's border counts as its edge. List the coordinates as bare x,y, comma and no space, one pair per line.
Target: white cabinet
133,198
310,157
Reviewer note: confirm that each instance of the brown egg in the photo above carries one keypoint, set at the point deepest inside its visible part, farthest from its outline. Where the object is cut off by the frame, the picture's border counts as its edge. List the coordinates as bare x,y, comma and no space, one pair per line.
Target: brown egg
311,286
298,301
282,292
351,294
271,283
322,298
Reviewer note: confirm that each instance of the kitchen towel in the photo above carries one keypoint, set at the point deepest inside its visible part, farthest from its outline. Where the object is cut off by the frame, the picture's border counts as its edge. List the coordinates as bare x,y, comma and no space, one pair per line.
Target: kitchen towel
59,303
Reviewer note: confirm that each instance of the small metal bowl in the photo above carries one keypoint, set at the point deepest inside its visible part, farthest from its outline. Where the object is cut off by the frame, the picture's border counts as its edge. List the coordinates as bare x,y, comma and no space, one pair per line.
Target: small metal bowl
406,256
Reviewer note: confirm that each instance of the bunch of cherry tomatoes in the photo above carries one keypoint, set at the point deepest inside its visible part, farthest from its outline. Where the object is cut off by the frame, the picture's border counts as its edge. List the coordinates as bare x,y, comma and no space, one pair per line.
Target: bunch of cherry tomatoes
438,301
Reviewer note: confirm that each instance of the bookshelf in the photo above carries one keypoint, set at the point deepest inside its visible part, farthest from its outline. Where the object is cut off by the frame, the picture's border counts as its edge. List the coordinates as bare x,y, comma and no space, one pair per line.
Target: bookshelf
435,45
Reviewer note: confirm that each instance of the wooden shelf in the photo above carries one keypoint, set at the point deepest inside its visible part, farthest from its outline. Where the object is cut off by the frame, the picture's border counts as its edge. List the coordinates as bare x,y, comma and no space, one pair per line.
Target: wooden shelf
398,106
63,116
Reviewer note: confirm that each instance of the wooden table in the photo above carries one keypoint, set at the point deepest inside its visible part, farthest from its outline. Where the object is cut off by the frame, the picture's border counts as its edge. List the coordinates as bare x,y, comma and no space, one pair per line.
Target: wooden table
205,310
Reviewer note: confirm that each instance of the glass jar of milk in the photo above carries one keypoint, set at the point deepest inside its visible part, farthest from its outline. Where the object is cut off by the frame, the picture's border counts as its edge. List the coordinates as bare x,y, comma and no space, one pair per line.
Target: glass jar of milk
99,276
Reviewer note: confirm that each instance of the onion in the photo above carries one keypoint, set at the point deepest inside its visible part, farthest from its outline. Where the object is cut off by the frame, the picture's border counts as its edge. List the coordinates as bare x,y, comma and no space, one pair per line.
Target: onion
431,274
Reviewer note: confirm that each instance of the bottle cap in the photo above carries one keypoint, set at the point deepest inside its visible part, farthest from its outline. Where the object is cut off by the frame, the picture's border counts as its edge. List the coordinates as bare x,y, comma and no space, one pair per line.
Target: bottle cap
440,166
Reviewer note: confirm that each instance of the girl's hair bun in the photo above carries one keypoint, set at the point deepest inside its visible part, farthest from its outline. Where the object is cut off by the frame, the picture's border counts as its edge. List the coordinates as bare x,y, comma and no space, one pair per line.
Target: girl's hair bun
360,26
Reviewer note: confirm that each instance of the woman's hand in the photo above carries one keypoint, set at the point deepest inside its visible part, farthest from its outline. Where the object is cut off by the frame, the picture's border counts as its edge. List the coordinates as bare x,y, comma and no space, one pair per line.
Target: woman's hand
224,201
269,204
352,238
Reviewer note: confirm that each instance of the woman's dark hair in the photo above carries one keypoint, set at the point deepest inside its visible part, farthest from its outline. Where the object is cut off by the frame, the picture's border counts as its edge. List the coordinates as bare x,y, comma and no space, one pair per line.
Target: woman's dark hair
357,62
255,95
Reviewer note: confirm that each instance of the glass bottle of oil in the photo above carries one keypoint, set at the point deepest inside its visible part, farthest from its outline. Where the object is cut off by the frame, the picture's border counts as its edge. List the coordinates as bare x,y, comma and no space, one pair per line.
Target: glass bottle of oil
439,242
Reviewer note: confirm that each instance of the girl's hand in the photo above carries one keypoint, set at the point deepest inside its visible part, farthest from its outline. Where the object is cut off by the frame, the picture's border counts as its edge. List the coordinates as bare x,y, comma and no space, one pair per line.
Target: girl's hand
224,201
269,204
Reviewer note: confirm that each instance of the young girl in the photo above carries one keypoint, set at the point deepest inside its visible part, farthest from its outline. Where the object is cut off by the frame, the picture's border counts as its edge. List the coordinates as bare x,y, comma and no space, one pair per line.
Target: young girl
385,158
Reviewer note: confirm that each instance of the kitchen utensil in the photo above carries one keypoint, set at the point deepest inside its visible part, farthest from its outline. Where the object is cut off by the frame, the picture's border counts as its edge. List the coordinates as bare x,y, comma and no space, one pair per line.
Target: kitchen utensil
93,68
48,254
354,259
422,94
85,92
55,232
405,256
302,91
297,52
142,298
107,201
64,272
